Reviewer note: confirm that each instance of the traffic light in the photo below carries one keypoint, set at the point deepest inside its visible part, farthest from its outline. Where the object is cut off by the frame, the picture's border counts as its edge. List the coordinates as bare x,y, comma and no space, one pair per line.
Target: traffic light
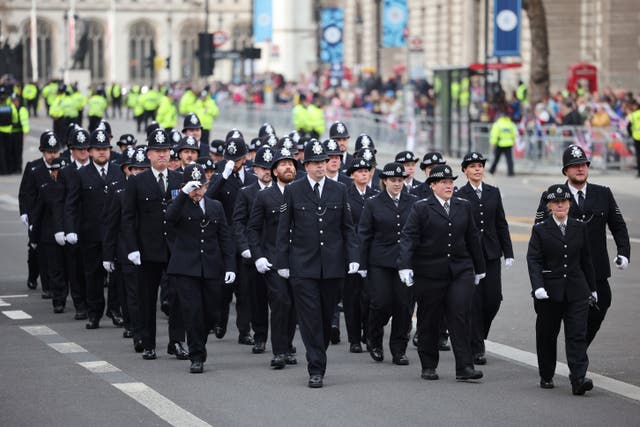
167,62
206,51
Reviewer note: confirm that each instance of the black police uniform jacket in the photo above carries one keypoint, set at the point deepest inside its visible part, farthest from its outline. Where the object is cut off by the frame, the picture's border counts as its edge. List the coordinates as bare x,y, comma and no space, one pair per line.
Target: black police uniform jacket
85,202
316,239
488,214
203,245
380,229
436,245
344,164
113,244
28,190
422,191
599,210
241,212
560,264
262,227
143,215
356,201
46,214
226,190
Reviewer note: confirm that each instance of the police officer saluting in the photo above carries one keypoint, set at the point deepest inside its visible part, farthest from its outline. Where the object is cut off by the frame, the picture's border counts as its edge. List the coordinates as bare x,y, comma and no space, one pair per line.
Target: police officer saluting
315,237
203,257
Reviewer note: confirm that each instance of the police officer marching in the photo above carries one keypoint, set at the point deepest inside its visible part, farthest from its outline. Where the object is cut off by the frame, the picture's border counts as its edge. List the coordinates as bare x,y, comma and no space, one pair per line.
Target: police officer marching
408,160
429,160
340,134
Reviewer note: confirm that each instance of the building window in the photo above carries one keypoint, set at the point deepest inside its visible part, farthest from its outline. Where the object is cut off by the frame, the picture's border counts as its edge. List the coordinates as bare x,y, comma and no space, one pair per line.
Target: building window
44,47
141,51
90,49
189,69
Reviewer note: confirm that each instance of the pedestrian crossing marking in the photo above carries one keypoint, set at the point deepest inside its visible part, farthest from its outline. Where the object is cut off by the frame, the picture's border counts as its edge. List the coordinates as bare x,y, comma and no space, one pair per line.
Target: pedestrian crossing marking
38,330
16,314
99,367
67,347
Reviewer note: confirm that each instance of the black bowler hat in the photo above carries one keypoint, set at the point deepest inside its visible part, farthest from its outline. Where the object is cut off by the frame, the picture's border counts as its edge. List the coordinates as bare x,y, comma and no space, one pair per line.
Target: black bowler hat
358,164
217,146
151,127
473,157
432,158
406,156
69,131
288,143
338,130
106,127
191,121
235,149
270,140
366,153
206,163
187,143
157,140
265,130
127,156
264,157
332,148
49,142
99,139
283,153
364,141
175,137
234,133
558,192
439,172
79,139
173,153
393,170
140,159
127,139
194,172
574,155
314,152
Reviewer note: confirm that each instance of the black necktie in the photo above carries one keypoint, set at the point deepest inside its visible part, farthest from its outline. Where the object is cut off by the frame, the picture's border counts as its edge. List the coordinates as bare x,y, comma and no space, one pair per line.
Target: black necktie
103,174
161,183
479,193
316,190
446,207
580,199
563,228
396,201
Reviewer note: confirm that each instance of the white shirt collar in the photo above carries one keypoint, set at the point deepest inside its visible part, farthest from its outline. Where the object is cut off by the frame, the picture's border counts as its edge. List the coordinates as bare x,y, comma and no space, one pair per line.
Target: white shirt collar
312,183
47,165
201,204
281,187
105,167
79,165
441,201
262,186
241,174
479,187
335,177
157,172
574,191
396,197
558,222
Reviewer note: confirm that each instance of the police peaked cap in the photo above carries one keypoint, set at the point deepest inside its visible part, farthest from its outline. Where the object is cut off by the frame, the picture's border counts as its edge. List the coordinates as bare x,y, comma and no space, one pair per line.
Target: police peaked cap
473,157
439,172
264,157
127,139
574,155
432,158
358,164
206,163
99,139
558,192
314,151
191,121
217,146
406,156
49,142
393,170
338,130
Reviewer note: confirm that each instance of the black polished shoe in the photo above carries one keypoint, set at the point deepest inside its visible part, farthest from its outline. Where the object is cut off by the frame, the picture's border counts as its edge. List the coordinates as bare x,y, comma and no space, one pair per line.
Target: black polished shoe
258,347
137,346
292,350
335,335
546,383
429,374
479,359
377,354
246,340
176,349
92,324
149,354
219,331
46,295
400,359
278,361
581,386
415,340
290,359
127,333
196,367
355,348
32,284
58,309
81,315
468,373
443,345
117,320
315,381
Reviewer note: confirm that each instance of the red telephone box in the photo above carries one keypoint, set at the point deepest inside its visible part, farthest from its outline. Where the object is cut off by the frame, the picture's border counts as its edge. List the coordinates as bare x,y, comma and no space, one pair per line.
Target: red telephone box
582,71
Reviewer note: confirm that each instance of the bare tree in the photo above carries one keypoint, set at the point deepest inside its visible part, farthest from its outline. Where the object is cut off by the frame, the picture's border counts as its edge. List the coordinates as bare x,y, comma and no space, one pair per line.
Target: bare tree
539,79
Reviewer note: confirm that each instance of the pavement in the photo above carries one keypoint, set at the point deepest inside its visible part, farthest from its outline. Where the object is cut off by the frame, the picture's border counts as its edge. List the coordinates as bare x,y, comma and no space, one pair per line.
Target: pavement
55,372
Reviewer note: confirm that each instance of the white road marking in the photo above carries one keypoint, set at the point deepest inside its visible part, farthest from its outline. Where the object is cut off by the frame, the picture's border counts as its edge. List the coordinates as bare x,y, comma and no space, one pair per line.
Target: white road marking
16,314
14,296
67,347
38,330
3,303
99,366
160,405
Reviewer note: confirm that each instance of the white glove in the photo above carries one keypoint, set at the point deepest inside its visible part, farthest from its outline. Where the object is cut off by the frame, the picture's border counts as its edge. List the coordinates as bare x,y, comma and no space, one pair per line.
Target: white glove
508,262
228,169
246,254
190,186
541,293
284,273
134,257
353,268
362,273
25,219
406,276
59,236
621,262
108,266
594,294
72,238
263,265
478,277
229,277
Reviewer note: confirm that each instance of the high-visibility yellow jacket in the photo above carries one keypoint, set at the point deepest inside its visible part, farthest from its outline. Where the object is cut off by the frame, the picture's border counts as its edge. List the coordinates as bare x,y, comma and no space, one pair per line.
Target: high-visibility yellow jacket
30,91
167,115
634,121
315,119
14,117
22,125
206,110
503,132
299,117
186,102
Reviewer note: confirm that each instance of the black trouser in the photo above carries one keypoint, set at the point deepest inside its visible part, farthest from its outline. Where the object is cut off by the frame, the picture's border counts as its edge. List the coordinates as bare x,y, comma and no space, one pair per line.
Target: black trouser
75,276
487,297
94,121
242,289
508,153
453,296
596,315
198,297
139,119
389,298
259,305
549,316
176,322
149,277
315,301
15,161
283,315
116,104
355,313
32,107
32,263
204,136
55,272
636,144
5,152
131,301
94,276
118,303
42,267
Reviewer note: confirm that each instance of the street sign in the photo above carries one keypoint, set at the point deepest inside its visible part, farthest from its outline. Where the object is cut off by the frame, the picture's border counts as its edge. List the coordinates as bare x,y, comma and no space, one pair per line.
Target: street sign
415,44
227,54
220,38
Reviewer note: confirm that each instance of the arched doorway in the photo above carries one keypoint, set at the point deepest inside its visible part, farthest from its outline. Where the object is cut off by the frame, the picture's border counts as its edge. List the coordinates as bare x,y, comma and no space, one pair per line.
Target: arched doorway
189,69
44,47
141,49
90,49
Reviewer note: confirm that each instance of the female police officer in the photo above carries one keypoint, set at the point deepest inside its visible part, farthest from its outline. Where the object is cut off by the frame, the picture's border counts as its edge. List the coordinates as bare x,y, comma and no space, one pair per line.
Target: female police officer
203,256
563,283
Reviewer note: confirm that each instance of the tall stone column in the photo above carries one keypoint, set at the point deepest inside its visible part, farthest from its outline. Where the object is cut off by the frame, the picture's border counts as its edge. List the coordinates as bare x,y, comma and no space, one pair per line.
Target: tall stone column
294,35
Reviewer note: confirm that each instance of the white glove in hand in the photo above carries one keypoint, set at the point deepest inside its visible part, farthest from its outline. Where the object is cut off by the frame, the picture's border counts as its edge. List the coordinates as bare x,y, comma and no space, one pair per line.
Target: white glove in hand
353,268
263,265
284,273
541,293
406,276
229,277
478,277
108,266
190,186
246,254
362,273
134,257
25,219
508,262
71,238
621,262
228,169
59,236
594,294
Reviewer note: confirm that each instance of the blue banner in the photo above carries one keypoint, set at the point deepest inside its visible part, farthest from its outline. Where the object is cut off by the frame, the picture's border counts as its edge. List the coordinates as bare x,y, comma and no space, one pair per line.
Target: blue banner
331,45
262,21
395,16
506,27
